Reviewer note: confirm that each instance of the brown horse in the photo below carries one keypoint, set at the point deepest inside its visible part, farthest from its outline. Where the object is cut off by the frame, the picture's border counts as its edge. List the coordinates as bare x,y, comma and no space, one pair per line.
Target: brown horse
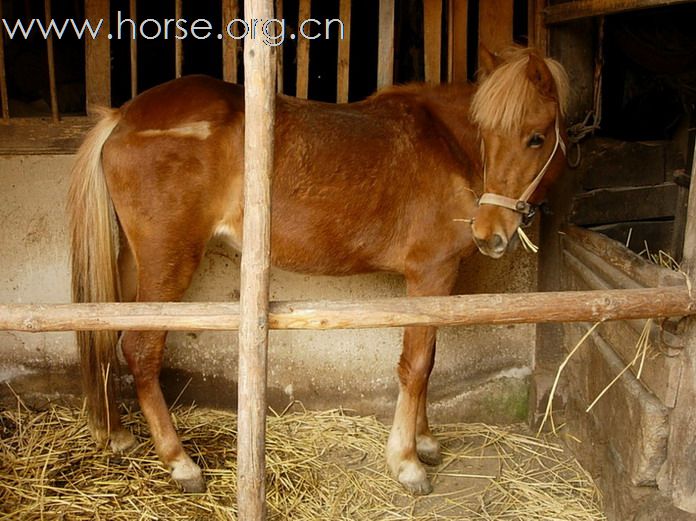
379,185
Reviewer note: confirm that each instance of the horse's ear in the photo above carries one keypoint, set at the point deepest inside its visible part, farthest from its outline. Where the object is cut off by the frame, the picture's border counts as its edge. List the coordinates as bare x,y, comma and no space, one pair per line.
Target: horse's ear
487,61
540,75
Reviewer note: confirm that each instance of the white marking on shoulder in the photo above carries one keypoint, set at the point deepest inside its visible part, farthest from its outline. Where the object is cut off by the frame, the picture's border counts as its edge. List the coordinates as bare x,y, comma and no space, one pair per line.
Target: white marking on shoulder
198,130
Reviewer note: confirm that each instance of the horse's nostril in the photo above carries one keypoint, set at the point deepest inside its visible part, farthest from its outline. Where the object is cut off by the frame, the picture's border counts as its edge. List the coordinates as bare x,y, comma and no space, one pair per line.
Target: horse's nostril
497,243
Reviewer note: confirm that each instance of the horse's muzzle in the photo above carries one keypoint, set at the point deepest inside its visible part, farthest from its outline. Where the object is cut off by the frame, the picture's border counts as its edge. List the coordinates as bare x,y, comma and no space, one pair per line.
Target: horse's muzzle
494,247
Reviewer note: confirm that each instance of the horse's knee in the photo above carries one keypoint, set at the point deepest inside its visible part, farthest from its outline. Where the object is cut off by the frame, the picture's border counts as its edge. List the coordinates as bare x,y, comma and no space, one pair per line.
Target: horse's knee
413,372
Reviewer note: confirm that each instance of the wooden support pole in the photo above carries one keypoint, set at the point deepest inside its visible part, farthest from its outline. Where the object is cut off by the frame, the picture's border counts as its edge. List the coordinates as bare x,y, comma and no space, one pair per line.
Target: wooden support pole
343,73
259,122
98,57
178,43
280,83
134,49
457,54
4,97
230,11
461,310
538,34
302,83
385,57
495,24
55,113
679,476
432,36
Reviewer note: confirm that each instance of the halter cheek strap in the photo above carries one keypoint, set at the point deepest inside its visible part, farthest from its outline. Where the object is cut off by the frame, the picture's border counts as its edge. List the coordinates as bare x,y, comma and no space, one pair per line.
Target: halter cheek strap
521,205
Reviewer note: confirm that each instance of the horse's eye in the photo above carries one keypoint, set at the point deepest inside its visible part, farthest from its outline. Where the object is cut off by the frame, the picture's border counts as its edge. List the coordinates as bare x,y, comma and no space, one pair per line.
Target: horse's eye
536,141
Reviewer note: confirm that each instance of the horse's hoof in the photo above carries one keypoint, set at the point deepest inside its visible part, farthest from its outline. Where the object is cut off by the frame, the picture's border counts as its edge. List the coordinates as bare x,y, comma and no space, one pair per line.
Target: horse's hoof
192,486
428,450
413,478
121,441
189,477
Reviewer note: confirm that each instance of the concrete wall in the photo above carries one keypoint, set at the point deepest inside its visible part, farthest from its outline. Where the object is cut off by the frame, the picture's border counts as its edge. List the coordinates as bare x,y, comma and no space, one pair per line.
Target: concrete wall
481,372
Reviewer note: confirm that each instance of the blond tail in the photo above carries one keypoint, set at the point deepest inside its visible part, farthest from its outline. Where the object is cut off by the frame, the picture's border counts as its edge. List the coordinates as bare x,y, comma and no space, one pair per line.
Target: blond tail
94,237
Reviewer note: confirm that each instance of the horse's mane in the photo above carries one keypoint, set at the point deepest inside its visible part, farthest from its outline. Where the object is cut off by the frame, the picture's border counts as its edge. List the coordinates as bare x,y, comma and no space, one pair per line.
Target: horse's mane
503,97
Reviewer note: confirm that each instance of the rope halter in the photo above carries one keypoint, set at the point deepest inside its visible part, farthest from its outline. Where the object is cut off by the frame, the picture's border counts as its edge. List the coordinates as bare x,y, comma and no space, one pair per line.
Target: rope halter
521,205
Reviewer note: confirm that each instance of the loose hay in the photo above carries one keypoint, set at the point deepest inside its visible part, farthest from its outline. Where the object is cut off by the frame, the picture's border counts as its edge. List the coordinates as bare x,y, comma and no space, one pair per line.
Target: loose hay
320,465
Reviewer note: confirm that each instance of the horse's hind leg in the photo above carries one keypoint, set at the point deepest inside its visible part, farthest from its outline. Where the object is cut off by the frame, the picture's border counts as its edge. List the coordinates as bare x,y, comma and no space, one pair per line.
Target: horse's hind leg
164,273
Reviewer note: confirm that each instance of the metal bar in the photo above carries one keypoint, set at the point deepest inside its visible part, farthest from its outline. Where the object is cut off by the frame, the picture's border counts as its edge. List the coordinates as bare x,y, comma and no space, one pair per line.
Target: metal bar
461,310
259,123
55,113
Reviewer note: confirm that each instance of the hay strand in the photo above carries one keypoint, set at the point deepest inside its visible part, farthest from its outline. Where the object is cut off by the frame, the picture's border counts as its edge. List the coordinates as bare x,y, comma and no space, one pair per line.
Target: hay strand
320,465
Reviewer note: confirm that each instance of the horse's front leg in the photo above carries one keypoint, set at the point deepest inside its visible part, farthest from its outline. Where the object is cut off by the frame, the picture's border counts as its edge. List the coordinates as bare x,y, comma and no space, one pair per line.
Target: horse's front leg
410,440
413,370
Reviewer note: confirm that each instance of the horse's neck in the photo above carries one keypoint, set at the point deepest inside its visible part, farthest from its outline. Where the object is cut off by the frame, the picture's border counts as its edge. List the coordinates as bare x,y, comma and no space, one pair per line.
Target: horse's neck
450,104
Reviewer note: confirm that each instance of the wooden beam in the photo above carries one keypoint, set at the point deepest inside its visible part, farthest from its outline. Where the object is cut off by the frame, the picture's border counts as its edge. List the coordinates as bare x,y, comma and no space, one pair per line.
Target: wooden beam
343,73
302,83
577,9
98,57
230,11
32,136
495,24
461,310
457,41
385,56
432,31
53,88
178,43
538,34
679,477
259,123
133,12
4,97
280,87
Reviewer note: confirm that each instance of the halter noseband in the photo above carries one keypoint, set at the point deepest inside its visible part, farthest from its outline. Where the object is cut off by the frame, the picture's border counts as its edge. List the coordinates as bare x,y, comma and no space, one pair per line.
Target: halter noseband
521,205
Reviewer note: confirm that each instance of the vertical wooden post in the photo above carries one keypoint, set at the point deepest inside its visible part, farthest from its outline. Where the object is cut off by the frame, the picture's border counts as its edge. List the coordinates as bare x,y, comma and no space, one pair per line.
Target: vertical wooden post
280,87
458,19
4,97
679,471
98,57
178,44
51,65
230,11
385,60
259,89
302,84
536,28
134,49
432,35
343,73
495,24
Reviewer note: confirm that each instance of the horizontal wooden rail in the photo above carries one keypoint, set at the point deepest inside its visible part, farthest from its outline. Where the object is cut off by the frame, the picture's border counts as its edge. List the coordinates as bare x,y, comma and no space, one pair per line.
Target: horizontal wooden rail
569,11
513,308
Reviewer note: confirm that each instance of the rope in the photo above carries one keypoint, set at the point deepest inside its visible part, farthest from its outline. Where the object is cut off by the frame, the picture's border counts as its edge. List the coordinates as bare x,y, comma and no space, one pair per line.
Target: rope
593,119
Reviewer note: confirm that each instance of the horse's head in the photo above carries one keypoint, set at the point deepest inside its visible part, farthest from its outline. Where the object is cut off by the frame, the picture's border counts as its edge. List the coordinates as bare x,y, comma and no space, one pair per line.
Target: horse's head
519,108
